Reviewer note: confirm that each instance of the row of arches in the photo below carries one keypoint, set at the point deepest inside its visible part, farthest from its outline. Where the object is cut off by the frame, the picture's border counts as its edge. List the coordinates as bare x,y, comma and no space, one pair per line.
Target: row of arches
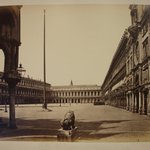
75,100
76,93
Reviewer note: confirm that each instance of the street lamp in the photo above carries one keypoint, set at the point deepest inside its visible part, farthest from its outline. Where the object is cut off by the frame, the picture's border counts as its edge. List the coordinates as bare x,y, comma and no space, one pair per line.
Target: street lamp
20,69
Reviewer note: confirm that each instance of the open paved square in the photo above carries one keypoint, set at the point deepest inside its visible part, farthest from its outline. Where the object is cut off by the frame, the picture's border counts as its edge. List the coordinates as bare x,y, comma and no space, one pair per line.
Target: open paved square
100,123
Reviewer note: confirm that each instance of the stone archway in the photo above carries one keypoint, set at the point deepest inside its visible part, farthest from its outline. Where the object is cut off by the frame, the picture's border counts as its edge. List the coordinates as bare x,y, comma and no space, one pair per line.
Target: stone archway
10,36
9,43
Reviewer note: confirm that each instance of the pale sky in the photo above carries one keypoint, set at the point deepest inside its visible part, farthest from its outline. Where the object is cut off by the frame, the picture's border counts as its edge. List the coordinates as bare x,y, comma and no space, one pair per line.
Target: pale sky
80,41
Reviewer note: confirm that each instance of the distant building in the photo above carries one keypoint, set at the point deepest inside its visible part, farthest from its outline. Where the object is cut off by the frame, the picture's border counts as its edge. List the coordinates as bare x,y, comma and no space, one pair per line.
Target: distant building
127,83
28,91
76,93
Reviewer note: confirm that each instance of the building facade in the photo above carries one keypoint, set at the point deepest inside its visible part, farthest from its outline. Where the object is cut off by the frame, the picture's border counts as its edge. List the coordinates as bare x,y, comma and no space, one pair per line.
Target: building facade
113,86
138,60
28,91
134,82
76,93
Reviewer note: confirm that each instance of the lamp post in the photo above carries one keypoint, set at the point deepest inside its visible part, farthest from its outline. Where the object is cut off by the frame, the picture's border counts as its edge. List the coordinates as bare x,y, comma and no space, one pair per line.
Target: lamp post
20,69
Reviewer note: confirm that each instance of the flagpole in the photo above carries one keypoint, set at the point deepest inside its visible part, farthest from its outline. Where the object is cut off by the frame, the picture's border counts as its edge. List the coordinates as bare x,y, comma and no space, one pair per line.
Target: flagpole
44,63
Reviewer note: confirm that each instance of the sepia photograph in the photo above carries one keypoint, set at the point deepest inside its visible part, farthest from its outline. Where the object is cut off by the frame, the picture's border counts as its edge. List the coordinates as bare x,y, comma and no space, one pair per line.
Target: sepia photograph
75,73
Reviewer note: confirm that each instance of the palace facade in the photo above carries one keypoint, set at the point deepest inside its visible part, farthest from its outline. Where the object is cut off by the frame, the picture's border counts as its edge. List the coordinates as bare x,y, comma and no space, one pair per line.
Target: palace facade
127,83
28,91
76,93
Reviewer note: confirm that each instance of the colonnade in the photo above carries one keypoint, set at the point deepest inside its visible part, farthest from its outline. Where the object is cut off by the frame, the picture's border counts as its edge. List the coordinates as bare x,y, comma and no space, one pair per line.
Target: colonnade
76,93
75,100
137,101
75,96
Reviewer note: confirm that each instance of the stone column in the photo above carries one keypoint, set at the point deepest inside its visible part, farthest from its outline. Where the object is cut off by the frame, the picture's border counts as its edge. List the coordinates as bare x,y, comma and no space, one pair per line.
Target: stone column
148,96
149,70
124,101
12,80
140,101
12,119
144,110
148,103
133,102
96,93
130,102
127,99
142,104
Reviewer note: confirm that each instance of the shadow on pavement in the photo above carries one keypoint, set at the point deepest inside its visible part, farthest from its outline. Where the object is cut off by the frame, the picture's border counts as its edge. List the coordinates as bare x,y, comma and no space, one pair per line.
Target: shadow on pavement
89,130
32,127
49,127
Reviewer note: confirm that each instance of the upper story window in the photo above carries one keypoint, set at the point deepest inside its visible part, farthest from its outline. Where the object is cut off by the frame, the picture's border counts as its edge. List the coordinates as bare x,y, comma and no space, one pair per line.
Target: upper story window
136,54
145,47
127,66
145,28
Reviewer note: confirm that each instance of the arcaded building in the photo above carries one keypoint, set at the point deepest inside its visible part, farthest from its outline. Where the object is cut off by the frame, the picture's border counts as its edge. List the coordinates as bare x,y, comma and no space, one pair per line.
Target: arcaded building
28,91
76,93
113,92
127,83
138,60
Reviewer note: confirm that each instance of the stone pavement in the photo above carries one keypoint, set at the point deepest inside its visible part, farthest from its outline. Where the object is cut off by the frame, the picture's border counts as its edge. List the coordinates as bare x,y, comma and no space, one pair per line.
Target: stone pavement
95,123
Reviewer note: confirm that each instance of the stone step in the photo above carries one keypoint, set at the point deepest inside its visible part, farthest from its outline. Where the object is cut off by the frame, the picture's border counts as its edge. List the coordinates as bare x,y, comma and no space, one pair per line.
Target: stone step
67,135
